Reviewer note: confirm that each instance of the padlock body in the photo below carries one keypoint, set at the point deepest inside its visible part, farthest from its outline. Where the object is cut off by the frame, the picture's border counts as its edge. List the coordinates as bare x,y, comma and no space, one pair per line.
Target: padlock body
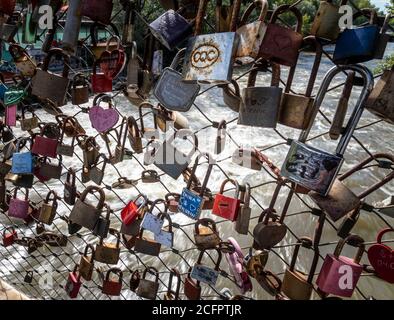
190,204
226,207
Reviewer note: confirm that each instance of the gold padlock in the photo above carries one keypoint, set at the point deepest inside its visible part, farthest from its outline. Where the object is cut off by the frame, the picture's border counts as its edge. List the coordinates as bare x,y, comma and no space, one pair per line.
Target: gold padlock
108,252
48,210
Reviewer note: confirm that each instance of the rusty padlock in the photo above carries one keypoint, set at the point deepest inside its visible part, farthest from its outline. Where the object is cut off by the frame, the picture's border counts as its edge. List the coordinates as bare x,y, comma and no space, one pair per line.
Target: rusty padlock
108,252
48,208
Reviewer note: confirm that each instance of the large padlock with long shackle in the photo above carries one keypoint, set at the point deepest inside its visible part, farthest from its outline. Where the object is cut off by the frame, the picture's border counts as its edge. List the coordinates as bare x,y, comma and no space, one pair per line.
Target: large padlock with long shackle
314,168
225,206
341,199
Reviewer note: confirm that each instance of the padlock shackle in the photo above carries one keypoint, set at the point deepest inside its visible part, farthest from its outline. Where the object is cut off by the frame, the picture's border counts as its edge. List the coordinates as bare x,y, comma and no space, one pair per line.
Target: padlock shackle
11,230
57,52
48,197
103,97
174,272
165,216
91,190
211,162
70,177
99,25
305,242
358,110
386,23
117,40
382,233
259,67
206,222
353,240
86,251
234,182
153,271
367,12
285,8
116,271
149,173
219,259
155,204
263,4
132,126
271,208
21,143
146,105
26,193
361,166
79,79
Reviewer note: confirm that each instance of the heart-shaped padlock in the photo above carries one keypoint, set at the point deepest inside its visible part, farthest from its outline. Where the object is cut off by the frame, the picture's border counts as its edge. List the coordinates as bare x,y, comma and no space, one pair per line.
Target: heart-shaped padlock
381,258
112,62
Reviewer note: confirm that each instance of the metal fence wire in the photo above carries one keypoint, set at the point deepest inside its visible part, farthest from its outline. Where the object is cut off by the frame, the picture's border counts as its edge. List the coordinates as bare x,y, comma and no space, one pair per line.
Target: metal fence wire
50,265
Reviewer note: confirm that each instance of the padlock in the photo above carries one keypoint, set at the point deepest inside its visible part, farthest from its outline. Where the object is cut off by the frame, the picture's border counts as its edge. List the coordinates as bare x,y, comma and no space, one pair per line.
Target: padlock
147,288
381,257
192,201
86,214
248,158
23,180
98,10
242,223
220,141
40,228
62,148
173,294
235,261
90,150
225,206
347,48
254,262
232,97
86,265
206,235
28,277
281,44
379,101
47,85
134,135
28,124
146,245
135,280
70,189
192,288
9,236
172,161
19,208
296,285
383,38
70,125
332,270
151,221
204,273
150,176
252,34
7,7
74,283
171,91
148,133
269,230
97,47
170,29
326,22
22,162
261,105
133,209
133,71
80,89
96,173
108,252
101,228
110,286
10,114
311,167
124,183
172,201
103,119
45,146
296,109
113,61
48,170
100,83
166,235
48,208
341,200
72,27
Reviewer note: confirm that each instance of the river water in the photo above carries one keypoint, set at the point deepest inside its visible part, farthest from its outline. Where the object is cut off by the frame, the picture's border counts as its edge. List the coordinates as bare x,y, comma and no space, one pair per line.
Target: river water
377,138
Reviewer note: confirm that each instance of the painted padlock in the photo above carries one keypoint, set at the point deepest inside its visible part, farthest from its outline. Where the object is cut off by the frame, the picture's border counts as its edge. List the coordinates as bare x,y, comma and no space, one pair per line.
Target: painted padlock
225,206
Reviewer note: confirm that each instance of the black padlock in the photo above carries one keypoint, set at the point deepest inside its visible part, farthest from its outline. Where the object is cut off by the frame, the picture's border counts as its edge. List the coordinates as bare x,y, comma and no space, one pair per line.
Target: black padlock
28,277
102,226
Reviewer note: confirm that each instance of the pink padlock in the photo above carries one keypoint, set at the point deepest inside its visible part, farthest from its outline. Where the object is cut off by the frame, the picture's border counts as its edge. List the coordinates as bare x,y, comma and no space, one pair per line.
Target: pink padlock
235,261
339,274
10,115
19,208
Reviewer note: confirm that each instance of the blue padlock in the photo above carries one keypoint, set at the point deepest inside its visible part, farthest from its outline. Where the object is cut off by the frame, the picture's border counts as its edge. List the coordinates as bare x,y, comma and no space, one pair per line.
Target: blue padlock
358,44
190,203
3,87
22,162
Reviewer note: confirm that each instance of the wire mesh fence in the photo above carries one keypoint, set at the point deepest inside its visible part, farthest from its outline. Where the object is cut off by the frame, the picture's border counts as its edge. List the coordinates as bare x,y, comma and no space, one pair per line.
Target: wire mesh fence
51,265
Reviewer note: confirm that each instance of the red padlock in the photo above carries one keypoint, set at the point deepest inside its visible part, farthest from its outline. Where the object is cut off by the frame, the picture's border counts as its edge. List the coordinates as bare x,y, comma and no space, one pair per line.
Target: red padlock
9,238
73,283
100,83
110,286
45,146
339,274
381,258
227,207
133,209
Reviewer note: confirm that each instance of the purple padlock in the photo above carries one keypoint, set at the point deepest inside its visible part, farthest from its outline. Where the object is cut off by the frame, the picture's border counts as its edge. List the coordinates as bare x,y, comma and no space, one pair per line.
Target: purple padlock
10,115
19,208
235,261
